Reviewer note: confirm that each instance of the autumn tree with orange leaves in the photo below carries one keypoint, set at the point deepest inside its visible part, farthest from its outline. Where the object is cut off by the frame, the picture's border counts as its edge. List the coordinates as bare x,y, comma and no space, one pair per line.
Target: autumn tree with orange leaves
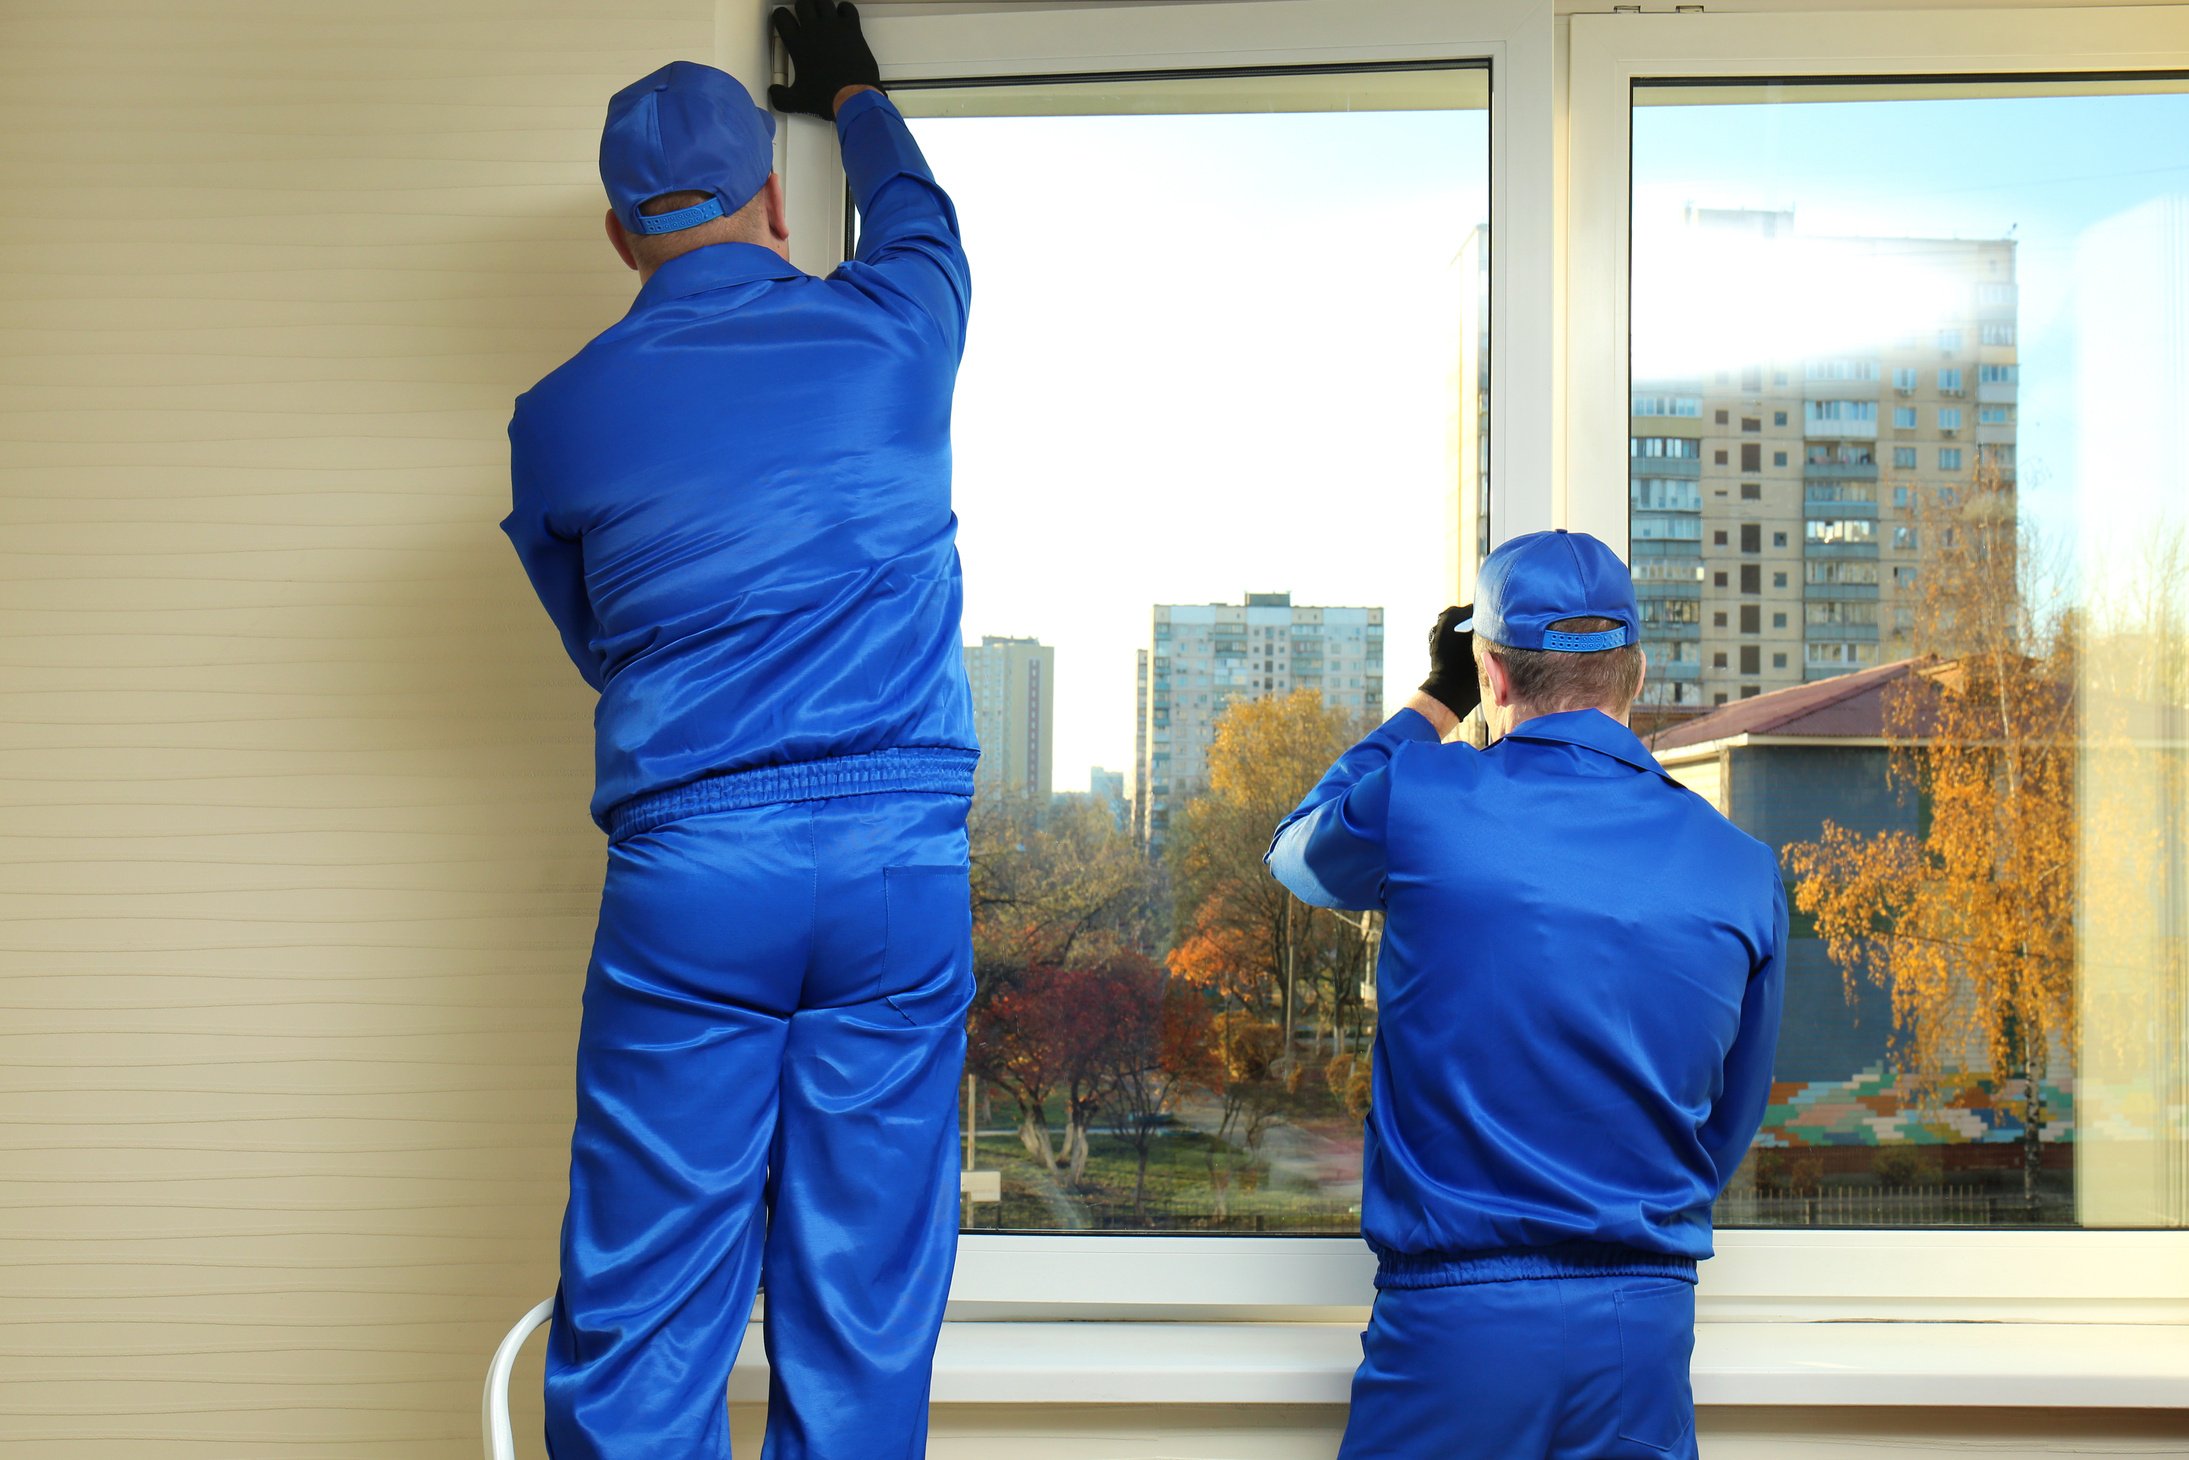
1238,931
1968,923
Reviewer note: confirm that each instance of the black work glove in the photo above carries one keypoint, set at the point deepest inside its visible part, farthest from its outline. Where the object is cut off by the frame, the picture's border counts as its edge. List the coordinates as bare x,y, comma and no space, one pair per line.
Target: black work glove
1452,680
827,54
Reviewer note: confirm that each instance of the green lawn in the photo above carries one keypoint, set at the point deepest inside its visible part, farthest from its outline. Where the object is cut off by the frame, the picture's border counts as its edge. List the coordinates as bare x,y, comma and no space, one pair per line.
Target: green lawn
1182,1195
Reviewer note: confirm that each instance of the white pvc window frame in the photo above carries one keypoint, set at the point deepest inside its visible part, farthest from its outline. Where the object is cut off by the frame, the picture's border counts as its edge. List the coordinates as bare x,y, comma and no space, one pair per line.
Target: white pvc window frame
1560,97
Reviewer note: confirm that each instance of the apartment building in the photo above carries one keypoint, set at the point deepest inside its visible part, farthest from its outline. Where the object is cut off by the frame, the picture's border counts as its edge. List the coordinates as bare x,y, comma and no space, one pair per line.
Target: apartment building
1202,657
1014,714
1774,501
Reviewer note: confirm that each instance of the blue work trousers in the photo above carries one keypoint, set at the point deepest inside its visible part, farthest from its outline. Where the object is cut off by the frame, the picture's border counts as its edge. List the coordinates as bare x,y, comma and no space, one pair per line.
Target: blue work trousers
767,1072
1556,1368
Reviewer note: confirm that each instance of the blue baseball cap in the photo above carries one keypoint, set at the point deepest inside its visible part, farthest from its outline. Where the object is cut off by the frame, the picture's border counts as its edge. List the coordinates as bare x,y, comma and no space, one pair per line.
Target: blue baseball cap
1532,582
686,128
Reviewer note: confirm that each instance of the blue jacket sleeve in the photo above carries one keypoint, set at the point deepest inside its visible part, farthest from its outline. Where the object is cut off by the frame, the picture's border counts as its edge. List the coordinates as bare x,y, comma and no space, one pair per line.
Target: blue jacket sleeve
909,247
553,560
1738,1113
1330,850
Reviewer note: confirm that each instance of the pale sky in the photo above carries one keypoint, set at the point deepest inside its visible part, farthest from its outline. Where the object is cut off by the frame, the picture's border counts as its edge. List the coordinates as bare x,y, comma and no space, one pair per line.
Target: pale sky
1208,355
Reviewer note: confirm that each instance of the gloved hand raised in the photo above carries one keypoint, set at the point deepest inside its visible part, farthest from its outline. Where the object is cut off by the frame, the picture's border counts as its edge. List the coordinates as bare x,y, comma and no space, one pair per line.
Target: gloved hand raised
1452,680
827,54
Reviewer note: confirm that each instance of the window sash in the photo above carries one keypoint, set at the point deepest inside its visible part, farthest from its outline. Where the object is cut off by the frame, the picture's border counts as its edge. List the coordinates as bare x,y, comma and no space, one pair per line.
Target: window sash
1559,448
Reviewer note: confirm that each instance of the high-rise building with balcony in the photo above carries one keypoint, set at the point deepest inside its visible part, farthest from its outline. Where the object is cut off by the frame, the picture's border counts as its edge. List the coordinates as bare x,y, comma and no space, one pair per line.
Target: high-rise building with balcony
1014,715
1774,502
1204,656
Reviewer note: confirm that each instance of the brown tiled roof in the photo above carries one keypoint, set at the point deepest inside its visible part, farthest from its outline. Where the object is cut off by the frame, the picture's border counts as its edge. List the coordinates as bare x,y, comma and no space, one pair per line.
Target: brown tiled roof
1847,705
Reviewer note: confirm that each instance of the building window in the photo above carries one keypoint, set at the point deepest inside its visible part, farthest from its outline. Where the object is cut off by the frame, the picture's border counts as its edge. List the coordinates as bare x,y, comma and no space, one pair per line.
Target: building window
1949,339
1993,415
1778,458
1778,661
1751,578
1997,374
1751,537
1677,448
1668,405
1717,660
1903,418
1996,334
1904,458
1752,491
1778,620
1751,619
1717,538
1719,457
1949,458
1778,580
1827,413
1778,539
1949,418
1723,418
1751,457
1751,662
1778,418
1949,381
1842,368
1904,379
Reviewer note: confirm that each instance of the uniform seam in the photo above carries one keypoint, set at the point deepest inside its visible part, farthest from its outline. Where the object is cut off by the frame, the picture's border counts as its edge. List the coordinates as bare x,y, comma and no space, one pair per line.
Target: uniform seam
813,907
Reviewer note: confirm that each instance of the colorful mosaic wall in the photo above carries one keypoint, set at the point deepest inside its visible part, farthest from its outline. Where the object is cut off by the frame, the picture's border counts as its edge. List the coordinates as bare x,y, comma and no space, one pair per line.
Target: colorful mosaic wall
1876,1108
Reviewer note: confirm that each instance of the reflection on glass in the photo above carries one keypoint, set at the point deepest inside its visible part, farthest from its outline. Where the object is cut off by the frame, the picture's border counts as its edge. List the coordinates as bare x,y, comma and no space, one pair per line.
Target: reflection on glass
1211,437
1921,621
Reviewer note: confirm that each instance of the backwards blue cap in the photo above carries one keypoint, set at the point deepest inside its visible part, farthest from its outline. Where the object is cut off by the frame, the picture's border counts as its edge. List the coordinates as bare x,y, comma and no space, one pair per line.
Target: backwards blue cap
687,128
1532,582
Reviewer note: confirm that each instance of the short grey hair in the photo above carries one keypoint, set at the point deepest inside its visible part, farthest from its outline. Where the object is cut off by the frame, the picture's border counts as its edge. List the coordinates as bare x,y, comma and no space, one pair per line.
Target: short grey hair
1550,680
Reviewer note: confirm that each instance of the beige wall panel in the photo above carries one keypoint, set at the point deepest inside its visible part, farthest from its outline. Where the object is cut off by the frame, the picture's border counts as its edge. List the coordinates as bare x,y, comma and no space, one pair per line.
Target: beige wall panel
297,877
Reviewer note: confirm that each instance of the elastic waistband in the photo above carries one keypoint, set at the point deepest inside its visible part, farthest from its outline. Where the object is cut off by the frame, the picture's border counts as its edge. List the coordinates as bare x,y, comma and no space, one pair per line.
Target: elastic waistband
1521,1264
942,770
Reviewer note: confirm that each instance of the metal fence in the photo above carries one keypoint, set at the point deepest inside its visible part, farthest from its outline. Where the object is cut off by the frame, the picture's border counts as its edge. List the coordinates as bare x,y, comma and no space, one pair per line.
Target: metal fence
1900,1206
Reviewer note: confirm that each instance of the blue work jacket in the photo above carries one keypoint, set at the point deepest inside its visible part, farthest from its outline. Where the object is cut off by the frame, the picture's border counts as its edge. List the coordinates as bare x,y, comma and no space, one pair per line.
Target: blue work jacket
1578,991
735,503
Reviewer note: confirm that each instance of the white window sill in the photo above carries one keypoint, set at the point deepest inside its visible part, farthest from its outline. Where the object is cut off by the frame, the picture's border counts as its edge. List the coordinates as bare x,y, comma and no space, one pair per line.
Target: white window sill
1933,1365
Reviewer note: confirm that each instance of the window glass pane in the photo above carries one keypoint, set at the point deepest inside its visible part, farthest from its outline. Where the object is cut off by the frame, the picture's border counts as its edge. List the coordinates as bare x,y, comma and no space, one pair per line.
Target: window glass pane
1969,741
1222,420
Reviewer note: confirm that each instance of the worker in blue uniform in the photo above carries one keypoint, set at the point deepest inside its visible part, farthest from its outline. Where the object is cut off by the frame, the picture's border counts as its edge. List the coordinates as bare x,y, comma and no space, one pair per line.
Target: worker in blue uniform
735,505
1577,1006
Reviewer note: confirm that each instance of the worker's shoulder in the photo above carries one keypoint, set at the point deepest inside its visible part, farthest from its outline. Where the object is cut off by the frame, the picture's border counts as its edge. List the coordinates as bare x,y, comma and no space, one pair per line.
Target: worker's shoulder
1438,767
1704,824
576,380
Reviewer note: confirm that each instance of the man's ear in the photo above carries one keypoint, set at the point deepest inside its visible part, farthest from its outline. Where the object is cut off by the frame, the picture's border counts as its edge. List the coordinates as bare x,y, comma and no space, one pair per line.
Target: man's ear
1495,676
622,244
1641,678
778,213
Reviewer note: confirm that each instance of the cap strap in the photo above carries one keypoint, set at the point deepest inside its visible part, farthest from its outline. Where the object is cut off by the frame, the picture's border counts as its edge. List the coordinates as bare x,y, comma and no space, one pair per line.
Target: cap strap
690,217
1566,643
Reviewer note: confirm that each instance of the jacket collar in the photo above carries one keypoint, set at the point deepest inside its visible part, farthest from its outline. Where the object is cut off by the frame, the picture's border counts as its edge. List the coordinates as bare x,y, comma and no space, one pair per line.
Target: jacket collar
1591,730
714,266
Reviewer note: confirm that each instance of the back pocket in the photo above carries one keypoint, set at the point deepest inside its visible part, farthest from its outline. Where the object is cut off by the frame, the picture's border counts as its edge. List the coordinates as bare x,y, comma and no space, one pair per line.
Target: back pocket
927,965
1656,1343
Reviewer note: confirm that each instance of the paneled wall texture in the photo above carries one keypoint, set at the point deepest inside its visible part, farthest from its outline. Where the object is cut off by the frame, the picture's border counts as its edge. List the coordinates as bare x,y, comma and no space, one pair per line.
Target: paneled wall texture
298,879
